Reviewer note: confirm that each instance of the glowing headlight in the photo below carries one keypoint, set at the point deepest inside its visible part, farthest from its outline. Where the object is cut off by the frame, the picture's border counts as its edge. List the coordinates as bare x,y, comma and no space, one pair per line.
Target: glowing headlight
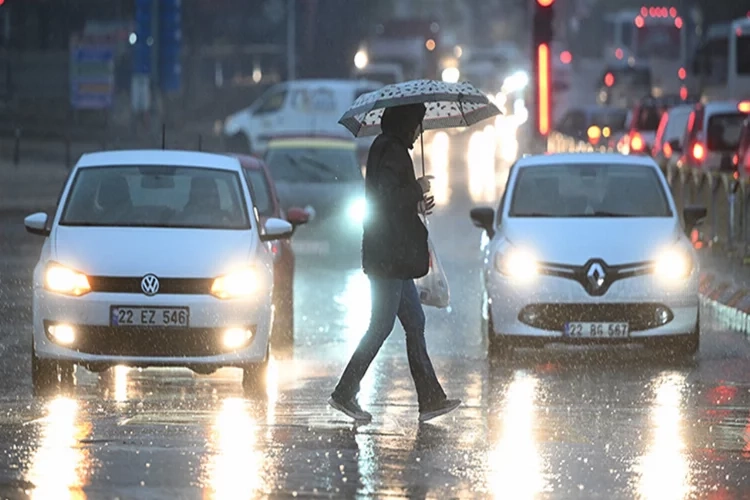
61,279
673,265
236,285
358,210
517,264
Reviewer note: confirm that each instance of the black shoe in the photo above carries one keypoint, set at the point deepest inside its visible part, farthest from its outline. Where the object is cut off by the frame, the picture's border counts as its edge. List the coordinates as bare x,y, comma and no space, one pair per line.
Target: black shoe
350,408
445,406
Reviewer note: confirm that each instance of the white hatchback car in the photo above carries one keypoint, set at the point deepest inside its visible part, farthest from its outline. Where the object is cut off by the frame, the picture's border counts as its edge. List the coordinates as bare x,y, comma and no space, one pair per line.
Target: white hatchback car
589,248
153,258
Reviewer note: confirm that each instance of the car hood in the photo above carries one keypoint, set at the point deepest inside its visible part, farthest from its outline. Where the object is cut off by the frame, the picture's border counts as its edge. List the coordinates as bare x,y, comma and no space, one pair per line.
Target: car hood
124,251
575,241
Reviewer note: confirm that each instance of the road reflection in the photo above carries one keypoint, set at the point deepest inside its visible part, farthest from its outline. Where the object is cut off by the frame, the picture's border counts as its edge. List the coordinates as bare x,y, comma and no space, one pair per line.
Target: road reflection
515,467
236,466
60,467
664,469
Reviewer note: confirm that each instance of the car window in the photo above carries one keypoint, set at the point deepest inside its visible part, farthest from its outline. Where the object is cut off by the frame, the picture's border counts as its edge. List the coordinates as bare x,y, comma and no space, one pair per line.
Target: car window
313,164
649,118
273,102
676,124
156,196
724,131
262,195
577,190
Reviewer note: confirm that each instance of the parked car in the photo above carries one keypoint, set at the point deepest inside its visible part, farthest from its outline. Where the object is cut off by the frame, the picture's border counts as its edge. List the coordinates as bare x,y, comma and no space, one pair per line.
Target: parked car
153,258
323,175
589,248
269,207
713,133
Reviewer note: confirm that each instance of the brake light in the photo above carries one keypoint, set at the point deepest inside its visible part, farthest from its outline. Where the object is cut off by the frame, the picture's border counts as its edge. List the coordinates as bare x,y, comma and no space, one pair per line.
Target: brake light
699,152
636,143
667,150
735,160
744,107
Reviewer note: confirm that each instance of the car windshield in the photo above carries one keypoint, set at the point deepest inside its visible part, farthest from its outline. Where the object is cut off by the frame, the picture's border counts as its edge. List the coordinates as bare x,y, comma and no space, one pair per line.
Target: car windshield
724,131
261,191
676,124
313,164
649,118
591,190
156,196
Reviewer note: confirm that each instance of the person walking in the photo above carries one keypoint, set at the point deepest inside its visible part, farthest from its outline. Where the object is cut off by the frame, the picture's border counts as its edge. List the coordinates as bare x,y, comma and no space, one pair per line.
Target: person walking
394,253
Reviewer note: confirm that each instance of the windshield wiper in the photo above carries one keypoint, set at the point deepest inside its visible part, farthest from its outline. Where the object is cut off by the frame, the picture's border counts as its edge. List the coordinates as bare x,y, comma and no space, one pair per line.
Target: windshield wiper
604,213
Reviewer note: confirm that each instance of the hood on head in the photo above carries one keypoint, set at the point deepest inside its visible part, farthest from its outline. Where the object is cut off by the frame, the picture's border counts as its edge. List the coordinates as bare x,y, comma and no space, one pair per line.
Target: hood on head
402,121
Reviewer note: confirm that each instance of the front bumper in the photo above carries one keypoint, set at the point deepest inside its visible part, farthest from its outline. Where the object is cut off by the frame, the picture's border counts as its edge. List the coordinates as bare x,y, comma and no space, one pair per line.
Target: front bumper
541,309
200,343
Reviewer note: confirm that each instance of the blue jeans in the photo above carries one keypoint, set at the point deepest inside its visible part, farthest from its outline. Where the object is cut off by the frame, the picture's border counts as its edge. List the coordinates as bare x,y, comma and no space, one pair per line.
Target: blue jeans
393,298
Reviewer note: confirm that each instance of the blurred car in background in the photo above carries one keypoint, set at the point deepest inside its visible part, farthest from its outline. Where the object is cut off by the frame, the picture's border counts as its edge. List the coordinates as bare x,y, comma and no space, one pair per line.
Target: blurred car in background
622,85
587,127
295,107
712,137
323,175
385,73
268,206
667,146
642,125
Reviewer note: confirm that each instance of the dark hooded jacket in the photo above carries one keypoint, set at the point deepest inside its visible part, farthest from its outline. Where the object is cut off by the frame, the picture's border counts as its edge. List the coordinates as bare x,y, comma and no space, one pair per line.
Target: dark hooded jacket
394,244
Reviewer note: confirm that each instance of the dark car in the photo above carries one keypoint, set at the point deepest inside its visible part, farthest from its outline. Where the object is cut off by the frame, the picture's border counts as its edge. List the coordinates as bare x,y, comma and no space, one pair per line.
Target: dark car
322,174
644,122
268,206
596,125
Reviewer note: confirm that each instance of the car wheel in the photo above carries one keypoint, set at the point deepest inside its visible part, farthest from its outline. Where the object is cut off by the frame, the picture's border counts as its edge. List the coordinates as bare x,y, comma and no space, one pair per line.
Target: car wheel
254,375
238,143
284,321
498,345
43,374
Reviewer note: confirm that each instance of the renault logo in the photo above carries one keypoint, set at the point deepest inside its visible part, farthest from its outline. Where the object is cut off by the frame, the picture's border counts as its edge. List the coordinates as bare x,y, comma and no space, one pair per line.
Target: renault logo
150,285
595,275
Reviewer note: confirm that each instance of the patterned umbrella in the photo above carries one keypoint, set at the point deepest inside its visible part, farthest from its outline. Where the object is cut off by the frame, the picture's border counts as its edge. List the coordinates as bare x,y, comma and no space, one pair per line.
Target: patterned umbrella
448,105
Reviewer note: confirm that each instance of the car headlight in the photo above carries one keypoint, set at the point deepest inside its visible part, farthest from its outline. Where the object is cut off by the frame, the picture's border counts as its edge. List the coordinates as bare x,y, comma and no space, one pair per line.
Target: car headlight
358,210
517,264
61,279
239,284
673,265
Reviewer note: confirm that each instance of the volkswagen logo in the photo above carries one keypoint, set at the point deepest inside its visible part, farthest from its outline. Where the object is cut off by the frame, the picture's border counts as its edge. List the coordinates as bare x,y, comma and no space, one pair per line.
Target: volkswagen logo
150,285
596,275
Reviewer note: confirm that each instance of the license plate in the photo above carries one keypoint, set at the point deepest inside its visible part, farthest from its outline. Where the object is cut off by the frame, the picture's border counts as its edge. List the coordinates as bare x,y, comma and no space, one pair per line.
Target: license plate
597,330
149,316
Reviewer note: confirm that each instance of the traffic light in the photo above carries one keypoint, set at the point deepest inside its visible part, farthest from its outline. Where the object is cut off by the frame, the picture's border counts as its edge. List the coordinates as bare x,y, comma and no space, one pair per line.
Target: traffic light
542,33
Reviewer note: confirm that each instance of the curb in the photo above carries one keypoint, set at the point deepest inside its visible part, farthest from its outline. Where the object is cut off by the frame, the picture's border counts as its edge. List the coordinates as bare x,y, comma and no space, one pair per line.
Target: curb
730,303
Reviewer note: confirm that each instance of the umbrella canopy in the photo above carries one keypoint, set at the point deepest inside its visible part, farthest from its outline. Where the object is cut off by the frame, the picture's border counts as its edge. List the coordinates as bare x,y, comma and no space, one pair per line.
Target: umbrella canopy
448,105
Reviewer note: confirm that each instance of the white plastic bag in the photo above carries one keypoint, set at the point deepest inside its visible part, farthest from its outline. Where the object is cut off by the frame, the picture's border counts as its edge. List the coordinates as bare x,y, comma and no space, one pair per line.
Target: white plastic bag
433,287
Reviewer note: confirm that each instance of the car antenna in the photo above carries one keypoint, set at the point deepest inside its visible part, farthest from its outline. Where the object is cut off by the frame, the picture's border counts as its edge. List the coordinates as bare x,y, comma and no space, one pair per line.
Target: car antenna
164,136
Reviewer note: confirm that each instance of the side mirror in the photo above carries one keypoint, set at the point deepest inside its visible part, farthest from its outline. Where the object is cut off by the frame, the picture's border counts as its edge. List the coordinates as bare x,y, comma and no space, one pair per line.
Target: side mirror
37,224
484,218
693,216
297,216
276,229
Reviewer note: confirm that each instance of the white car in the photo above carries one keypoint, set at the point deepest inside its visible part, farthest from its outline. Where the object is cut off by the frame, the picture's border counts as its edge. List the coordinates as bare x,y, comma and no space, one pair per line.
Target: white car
589,248
153,258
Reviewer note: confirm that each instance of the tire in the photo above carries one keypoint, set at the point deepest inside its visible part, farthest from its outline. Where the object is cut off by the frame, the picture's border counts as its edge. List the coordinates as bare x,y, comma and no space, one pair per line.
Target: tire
238,143
46,374
498,346
254,376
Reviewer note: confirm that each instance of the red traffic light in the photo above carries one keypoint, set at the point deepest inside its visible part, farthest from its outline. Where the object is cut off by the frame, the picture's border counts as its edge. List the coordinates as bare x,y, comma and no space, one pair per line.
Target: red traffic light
545,3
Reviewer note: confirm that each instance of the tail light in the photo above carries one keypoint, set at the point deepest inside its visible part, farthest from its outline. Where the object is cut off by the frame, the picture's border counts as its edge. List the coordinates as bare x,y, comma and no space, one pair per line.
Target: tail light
735,159
698,152
667,150
636,143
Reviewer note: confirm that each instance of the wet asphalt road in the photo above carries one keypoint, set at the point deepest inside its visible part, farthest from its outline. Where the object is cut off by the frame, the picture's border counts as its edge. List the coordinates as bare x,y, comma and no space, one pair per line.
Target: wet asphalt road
558,423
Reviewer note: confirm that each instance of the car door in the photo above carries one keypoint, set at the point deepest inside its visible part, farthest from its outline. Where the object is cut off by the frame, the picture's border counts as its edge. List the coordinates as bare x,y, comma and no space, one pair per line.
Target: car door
270,117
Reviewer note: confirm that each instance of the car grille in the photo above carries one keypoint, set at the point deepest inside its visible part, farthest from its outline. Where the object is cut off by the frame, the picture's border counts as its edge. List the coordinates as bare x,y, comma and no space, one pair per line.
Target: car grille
174,286
553,317
148,341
